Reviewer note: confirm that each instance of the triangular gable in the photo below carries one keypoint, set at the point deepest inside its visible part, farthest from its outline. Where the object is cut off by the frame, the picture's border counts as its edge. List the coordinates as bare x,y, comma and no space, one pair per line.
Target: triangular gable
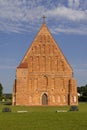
44,40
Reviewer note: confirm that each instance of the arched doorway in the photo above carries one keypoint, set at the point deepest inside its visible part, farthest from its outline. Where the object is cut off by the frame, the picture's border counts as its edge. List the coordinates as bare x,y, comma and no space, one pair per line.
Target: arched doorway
44,99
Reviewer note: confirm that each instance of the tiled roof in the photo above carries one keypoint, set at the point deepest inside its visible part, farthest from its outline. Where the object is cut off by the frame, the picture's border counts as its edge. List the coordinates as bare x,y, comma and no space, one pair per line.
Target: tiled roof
23,65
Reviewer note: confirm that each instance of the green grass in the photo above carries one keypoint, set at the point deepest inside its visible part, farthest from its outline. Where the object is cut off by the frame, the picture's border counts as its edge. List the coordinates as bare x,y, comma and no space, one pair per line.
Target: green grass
43,118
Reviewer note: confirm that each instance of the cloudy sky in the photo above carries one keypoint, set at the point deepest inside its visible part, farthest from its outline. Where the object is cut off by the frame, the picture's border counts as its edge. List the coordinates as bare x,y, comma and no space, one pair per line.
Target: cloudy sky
20,21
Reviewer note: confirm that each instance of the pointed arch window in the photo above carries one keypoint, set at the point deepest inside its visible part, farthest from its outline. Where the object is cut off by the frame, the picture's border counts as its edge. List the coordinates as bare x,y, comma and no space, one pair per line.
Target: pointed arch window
44,99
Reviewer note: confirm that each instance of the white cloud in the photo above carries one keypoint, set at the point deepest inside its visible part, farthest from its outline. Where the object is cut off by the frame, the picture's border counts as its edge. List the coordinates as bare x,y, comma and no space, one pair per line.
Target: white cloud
23,15
68,13
77,3
74,3
68,30
70,3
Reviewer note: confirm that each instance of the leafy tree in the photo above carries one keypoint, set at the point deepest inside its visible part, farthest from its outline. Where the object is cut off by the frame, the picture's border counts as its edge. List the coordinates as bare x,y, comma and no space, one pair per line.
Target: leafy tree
1,90
83,91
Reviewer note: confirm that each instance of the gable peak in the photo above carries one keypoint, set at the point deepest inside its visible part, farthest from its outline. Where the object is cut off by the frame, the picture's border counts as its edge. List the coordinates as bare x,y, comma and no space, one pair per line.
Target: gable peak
43,30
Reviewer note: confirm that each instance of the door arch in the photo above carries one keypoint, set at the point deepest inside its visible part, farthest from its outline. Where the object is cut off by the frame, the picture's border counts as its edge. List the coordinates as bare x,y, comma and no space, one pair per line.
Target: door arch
44,99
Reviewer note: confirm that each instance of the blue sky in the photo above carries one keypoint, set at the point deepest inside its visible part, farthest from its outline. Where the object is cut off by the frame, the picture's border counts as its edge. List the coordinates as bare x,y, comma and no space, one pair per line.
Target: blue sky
20,21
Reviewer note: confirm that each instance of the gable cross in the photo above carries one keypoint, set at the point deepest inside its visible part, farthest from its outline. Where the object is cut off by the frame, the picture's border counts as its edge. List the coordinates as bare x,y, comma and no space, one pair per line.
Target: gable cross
44,17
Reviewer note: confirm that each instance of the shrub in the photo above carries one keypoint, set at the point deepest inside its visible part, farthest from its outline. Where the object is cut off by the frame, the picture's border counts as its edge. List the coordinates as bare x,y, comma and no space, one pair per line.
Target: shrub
8,103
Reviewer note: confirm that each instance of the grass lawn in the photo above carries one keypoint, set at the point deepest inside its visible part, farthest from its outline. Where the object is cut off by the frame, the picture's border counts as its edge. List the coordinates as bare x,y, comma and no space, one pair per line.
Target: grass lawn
43,118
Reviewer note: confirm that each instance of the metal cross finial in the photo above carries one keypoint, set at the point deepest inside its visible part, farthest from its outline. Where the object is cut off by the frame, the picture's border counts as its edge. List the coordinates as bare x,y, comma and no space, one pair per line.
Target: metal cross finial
44,17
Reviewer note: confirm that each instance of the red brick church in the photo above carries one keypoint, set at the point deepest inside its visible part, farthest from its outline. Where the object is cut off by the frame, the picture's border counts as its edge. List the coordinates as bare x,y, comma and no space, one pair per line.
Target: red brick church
44,76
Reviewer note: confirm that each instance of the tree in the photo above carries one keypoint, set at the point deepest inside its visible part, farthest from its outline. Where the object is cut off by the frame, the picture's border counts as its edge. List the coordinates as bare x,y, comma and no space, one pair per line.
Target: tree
83,91
1,91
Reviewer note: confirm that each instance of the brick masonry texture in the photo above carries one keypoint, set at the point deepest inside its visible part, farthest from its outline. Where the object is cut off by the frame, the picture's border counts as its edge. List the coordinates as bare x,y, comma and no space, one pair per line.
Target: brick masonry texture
44,76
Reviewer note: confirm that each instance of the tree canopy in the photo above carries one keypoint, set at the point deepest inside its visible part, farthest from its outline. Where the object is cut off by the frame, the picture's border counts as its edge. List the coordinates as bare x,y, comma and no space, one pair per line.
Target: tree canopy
83,92
1,90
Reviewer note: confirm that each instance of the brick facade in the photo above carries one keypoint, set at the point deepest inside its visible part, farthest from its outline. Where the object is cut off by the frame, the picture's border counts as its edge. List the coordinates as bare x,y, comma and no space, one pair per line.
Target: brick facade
44,76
